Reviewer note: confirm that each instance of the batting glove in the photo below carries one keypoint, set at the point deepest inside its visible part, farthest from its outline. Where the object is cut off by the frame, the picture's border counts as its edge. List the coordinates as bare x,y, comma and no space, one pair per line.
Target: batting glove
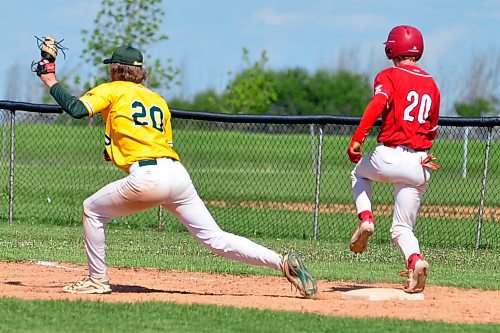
354,151
428,162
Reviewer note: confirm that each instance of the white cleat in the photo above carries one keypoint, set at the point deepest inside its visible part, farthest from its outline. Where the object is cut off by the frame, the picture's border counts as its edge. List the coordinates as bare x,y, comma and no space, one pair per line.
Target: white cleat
417,276
88,285
359,239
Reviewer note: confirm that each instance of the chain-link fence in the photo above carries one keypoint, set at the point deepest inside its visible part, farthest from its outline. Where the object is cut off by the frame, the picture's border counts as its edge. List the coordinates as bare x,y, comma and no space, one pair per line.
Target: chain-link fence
265,176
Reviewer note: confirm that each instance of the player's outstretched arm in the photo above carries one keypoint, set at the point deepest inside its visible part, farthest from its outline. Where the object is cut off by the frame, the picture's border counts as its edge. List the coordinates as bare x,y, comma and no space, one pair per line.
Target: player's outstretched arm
72,105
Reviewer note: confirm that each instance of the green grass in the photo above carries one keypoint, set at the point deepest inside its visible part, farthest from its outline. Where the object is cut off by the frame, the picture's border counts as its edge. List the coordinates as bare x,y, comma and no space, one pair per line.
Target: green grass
67,316
248,166
169,250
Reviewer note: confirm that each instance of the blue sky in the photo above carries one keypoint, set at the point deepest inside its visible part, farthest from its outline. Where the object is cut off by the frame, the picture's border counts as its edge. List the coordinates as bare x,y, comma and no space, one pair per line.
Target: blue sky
206,38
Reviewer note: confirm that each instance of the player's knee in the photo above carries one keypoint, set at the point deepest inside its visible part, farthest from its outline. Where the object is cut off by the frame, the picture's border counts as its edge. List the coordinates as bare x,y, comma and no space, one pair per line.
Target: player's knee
216,241
87,208
399,231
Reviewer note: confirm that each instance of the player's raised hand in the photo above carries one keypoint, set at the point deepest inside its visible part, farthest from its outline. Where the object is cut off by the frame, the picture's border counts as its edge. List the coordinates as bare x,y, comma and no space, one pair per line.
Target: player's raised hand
48,74
428,162
46,67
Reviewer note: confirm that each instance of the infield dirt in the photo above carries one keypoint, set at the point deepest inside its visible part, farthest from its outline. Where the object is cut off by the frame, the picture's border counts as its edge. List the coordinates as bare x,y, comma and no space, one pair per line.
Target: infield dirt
44,280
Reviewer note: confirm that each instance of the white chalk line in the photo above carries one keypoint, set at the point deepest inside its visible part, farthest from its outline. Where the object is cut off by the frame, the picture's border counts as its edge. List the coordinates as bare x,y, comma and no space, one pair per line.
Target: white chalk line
55,265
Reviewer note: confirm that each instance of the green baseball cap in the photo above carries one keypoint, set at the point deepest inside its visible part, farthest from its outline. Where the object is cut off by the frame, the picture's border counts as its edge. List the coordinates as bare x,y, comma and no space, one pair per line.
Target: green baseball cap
126,55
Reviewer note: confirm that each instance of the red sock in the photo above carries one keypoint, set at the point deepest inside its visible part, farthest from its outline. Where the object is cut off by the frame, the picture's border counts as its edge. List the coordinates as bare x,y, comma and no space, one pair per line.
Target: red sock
413,259
366,215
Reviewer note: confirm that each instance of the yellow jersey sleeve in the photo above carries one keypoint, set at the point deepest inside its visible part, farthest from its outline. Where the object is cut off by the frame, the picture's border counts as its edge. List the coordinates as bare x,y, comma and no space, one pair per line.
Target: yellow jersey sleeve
97,99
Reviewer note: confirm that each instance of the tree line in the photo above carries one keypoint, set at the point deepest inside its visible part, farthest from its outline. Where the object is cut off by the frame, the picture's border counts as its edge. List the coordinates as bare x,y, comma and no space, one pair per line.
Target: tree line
292,91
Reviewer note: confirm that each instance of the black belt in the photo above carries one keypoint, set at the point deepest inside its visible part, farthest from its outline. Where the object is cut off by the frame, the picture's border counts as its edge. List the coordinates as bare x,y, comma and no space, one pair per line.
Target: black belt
153,162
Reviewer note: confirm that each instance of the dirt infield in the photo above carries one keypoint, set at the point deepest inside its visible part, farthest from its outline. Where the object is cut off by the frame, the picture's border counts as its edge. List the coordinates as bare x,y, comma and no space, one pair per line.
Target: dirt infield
43,280
432,211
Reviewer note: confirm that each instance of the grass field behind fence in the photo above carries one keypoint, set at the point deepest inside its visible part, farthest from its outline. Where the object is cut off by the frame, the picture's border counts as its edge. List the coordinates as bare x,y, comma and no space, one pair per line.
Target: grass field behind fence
57,167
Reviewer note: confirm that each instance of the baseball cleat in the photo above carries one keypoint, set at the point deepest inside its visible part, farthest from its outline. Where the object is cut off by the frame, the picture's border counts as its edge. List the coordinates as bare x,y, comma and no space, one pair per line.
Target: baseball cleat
296,272
88,285
360,236
418,271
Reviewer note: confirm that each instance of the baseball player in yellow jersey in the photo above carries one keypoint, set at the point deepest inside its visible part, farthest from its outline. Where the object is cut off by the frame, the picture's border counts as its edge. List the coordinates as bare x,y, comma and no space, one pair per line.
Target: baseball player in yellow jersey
138,140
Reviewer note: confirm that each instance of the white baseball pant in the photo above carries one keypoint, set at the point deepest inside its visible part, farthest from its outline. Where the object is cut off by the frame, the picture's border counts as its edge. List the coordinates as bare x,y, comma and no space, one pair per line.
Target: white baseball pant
167,184
402,167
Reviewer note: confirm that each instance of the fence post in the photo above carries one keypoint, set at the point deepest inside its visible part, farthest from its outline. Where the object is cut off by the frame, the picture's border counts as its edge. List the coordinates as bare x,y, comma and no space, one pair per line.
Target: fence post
313,147
161,226
11,171
4,137
466,150
483,189
318,183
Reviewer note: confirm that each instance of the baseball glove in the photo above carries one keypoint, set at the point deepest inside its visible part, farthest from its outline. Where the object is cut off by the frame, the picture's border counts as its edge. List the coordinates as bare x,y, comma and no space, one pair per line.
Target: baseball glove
49,48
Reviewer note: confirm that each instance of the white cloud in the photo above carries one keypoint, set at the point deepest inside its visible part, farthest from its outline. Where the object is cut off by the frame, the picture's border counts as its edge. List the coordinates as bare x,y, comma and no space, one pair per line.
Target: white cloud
486,15
442,41
318,17
361,21
270,16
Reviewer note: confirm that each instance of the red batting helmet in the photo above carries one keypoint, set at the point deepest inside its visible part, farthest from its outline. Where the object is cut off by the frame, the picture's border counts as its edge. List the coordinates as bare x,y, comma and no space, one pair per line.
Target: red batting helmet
404,40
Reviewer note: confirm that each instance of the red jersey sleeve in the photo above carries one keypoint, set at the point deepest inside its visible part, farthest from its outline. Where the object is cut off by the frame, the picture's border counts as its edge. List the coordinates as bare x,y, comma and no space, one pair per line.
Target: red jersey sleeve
381,92
372,112
383,85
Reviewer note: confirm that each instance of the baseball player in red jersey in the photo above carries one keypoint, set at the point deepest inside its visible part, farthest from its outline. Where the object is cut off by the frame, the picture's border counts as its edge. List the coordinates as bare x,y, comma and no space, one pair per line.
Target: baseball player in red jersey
408,100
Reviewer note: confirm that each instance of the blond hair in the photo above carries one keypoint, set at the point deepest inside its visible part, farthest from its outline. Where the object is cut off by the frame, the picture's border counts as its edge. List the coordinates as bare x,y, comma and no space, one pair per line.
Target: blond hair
121,72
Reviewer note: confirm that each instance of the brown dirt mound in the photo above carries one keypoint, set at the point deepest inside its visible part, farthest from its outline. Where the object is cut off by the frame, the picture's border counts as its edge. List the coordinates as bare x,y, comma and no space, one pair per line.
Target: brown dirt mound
43,280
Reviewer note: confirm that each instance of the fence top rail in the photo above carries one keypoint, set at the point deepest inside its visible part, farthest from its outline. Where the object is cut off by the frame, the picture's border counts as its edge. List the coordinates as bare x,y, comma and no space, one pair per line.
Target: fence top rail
30,107
246,118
